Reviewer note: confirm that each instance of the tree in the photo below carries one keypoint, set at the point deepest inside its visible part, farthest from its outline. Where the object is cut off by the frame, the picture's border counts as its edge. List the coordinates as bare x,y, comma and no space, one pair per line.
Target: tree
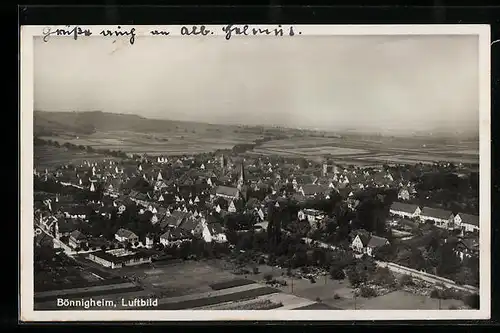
367,292
472,301
361,272
406,280
336,273
384,277
184,250
449,263
356,277
385,253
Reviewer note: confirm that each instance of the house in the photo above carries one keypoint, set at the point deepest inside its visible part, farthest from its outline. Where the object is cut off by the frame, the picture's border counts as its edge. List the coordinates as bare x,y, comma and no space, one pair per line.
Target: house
466,222
75,212
227,192
313,216
149,241
118,258
194,226
261,226
124,235
375,243
174,219
466,248
404,194
44,240
231,208
213,232
360,242
367,244
441,218
77,239
175,236
405,210
311,190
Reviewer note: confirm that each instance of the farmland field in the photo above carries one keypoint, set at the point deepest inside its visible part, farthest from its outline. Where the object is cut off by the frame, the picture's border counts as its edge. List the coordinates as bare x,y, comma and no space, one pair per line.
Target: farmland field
50,157
355,151
185,285
349,151
174,143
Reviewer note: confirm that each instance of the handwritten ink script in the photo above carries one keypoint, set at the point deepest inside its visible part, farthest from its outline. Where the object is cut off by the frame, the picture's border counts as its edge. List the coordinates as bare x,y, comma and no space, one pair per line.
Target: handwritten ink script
228,31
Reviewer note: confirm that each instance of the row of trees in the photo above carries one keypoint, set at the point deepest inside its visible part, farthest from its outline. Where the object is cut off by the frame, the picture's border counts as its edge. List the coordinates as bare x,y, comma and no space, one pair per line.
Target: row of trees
68,145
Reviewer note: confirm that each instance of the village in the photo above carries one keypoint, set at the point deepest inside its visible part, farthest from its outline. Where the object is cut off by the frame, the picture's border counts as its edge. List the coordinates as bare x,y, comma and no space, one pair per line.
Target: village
309,219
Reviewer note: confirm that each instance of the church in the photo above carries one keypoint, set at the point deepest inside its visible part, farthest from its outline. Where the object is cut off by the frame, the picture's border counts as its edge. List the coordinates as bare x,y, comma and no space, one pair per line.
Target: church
234,193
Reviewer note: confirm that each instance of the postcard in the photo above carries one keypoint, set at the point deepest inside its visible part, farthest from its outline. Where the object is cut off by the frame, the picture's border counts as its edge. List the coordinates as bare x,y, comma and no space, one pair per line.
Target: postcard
255,172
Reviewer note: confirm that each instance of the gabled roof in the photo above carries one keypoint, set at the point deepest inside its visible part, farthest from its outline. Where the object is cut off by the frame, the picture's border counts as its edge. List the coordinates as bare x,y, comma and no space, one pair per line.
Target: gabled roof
365,239
469,219
376,241
403,207
311,189
189,224
436,213
215,228
77,234
226,190
173,234
125,233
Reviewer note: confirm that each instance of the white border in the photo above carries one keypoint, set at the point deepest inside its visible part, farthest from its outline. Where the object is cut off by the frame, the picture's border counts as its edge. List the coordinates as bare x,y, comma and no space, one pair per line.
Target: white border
27,312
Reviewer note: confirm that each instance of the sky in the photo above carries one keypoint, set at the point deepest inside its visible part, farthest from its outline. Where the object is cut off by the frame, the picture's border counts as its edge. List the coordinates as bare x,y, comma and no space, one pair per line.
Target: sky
386,84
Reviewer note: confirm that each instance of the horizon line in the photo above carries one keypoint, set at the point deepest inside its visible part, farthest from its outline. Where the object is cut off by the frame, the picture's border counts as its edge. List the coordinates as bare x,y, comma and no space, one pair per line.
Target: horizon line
347,131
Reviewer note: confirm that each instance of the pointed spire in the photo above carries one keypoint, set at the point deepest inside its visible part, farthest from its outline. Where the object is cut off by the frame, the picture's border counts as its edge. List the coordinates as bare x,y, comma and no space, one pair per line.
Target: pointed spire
159,176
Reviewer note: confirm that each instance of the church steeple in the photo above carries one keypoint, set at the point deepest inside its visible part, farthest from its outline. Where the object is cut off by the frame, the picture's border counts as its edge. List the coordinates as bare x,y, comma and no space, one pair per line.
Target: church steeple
241,180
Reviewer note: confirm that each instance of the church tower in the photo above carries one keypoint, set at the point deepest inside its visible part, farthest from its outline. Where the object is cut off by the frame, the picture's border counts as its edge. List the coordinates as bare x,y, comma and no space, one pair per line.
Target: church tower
222,162
241,180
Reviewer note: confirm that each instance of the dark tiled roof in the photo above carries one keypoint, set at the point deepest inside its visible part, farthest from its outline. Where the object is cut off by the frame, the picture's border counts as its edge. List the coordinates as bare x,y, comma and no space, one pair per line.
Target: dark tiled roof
77,234
215,228
376,241
436,213
189,224
125,233
226,190
174,234
469,219
403,207
312,189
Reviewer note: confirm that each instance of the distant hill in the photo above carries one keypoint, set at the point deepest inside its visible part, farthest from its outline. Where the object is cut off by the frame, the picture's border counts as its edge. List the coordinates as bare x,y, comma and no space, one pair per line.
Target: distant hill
92,121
